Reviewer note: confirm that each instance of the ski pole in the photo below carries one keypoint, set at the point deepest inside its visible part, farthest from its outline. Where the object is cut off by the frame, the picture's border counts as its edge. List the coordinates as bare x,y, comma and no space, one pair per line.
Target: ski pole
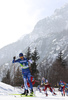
14,76
14,72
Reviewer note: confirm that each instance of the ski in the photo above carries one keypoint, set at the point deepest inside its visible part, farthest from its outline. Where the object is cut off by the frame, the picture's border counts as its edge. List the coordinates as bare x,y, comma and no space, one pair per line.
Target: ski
23,95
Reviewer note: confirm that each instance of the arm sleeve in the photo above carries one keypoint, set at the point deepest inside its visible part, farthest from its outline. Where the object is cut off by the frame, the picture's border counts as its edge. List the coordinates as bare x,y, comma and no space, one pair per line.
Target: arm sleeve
14,61
46,81
41,82
30,61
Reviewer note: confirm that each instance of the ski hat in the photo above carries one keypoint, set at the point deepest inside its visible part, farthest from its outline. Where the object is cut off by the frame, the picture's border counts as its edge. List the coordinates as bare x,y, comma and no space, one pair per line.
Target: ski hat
67,84
21,54
60,80
43,78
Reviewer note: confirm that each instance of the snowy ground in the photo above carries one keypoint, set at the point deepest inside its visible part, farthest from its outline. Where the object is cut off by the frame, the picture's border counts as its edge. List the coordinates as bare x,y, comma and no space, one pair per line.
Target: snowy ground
5,90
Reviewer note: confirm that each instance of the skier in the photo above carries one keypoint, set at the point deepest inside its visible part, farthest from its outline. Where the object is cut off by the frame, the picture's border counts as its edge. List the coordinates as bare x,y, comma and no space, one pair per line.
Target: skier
46,85
32,80
25,72
66,89
62,87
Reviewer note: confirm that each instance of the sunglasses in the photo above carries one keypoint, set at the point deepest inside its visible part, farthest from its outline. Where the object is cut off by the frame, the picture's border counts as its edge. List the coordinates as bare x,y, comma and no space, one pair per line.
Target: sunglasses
21,57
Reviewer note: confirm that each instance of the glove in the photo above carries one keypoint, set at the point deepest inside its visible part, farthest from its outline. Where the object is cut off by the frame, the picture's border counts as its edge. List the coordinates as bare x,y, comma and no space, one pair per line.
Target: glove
14,58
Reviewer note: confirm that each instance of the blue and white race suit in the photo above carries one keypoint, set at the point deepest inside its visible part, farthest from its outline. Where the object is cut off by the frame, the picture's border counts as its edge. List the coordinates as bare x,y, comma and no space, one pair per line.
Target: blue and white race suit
25,71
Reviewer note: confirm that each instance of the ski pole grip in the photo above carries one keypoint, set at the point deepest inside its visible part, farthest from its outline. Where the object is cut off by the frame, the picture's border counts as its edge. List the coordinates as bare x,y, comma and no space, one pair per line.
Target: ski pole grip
14,57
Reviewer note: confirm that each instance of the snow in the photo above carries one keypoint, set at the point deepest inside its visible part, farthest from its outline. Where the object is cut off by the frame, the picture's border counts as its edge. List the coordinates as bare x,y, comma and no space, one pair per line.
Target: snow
5,90
54,40
6,64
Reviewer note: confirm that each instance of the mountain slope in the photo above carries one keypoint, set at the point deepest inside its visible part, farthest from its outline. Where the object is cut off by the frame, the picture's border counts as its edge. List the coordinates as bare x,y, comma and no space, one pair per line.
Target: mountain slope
50,35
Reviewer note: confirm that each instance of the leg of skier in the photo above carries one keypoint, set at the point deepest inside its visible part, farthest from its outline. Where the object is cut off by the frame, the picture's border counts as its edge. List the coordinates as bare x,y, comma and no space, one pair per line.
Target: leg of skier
67,92
26,87
53,93
39,88
64,91
45,90
31,86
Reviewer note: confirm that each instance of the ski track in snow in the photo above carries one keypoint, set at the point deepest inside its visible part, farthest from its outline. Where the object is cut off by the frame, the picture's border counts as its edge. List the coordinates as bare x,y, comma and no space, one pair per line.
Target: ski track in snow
5,90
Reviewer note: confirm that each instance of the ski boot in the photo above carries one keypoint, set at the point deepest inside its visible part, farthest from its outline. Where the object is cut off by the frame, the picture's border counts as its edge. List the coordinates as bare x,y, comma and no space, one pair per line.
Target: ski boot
31,92
54,93
46,94
25,92
62,94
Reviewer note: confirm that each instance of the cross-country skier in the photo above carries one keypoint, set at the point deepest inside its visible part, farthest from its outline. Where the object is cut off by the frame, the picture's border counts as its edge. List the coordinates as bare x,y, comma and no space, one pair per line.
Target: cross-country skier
25,72
62,87
66,89
46,85
32,80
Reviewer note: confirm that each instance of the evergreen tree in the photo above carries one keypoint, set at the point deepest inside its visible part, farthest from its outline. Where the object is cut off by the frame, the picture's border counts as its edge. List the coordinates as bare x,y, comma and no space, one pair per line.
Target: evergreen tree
18,79
60,59
6,79
35,57
58,71
28,53
60,56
